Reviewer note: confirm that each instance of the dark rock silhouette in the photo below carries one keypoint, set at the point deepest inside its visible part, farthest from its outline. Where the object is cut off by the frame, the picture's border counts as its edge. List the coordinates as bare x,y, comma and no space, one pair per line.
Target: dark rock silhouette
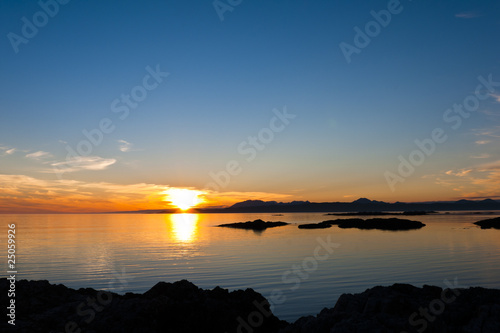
381,224
398,309
167,307
320,225
489,223
183,307
393,224
253,225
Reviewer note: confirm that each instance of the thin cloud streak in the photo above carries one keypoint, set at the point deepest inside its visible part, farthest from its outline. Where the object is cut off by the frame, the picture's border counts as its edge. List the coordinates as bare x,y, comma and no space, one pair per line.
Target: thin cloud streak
468,15
39,155
124,146
481,156
81,163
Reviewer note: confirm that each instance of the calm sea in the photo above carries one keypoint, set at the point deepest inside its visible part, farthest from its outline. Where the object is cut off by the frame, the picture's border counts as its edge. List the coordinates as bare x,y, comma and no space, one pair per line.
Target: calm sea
132,252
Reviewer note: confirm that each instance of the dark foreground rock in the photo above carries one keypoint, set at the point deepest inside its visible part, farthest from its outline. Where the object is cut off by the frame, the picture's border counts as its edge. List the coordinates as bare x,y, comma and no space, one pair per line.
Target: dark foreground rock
167,307
489,223
182,307
405,308
253,225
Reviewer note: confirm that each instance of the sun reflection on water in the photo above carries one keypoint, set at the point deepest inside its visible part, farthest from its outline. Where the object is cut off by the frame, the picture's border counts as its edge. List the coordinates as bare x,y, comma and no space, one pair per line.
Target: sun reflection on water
184,227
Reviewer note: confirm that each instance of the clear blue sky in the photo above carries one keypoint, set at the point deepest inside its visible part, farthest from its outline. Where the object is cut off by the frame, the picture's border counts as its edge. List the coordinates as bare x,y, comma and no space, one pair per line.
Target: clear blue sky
352,120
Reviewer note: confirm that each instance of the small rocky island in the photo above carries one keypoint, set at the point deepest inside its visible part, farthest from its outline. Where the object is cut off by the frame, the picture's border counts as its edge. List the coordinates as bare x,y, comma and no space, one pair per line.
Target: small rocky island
257,225
489,223
182,307
392,224
320,225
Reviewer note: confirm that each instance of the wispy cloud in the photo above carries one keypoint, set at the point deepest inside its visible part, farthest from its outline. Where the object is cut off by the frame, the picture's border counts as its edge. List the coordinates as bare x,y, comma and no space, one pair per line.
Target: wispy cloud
39,155
489,166
496,97
6,150
491,132
460,173
490,113
481,156
126,146
480,181
468,15
81,163
482,142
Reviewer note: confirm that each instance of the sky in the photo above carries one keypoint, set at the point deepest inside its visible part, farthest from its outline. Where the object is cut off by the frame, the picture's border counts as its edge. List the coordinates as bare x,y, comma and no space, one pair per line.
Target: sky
113,105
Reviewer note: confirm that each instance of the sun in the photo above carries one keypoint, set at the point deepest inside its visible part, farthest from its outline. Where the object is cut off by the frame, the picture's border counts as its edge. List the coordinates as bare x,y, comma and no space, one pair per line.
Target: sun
183,198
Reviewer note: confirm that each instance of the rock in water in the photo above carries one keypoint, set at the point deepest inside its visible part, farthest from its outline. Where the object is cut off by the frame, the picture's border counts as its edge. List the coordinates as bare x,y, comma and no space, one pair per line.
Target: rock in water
392,224
489,223
253,225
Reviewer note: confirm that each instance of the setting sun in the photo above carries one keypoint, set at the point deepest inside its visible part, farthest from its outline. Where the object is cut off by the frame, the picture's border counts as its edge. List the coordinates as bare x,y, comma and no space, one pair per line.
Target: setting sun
183,198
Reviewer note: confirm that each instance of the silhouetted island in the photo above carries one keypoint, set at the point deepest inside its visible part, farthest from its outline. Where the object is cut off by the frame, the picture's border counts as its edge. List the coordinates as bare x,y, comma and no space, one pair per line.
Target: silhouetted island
182,307
253,225
489,223
320,225
393,224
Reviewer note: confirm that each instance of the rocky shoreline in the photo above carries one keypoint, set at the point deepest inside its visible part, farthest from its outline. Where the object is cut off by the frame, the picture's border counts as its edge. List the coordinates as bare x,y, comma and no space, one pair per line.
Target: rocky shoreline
183,307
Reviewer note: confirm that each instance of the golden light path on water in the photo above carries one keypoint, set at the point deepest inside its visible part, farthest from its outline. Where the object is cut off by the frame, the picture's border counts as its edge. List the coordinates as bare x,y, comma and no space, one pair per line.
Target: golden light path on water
184,227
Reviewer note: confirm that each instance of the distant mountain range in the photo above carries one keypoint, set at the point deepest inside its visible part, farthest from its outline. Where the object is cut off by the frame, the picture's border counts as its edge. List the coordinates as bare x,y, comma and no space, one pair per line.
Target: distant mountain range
360,205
